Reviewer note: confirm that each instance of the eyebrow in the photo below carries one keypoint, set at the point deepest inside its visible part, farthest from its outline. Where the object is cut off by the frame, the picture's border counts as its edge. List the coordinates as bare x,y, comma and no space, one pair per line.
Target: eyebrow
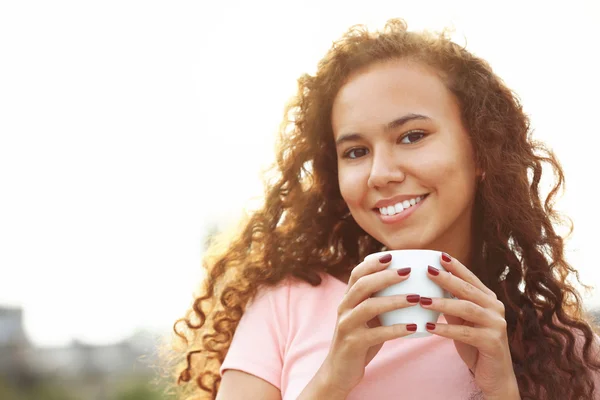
397,123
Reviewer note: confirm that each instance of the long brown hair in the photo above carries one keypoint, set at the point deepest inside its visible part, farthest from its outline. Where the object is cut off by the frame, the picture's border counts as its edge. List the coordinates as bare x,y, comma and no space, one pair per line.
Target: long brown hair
304,226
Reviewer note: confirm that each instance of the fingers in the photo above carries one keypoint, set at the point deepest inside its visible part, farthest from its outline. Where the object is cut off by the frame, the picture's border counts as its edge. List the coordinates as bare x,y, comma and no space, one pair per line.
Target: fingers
456,268
474,303
358,307
369,277
375,306
481,338
466,310
367,267
464,289
371,308
375,336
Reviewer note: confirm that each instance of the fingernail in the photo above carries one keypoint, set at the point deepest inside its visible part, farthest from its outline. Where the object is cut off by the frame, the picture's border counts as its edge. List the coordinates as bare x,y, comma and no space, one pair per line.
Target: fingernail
446,257
403,271
411,327
385,259
413,298
433,271
426,301
430,326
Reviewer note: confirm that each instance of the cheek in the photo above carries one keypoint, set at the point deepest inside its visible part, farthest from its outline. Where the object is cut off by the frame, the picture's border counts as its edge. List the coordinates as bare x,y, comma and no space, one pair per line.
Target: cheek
432,169
452,177
449,162
351,185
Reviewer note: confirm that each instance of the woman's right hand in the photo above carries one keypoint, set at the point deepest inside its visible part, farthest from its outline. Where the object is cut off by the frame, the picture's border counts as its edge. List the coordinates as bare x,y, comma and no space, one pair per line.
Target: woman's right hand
358,335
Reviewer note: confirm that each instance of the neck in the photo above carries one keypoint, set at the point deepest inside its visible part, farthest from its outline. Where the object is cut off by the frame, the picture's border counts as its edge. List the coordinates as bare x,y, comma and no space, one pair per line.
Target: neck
458,241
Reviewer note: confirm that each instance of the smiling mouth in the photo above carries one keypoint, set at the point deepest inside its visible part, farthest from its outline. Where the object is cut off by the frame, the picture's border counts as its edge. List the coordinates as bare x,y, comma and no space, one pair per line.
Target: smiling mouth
400,206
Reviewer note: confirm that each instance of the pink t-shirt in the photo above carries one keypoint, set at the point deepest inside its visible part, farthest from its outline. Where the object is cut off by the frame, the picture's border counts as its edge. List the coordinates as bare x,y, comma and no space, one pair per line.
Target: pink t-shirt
285,334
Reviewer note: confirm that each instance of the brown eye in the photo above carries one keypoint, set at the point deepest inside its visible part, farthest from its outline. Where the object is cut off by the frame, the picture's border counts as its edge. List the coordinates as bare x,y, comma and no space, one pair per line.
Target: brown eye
356,153
412,137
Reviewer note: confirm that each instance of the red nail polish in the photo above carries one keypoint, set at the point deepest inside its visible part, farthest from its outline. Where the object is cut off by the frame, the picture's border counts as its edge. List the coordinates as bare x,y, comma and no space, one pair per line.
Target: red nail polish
446,257
430,326
411,327
413,298
385,259
426,301
433,271
403,271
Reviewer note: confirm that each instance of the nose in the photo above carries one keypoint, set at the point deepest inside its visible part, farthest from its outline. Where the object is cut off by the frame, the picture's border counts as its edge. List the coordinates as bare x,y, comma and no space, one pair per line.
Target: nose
385,169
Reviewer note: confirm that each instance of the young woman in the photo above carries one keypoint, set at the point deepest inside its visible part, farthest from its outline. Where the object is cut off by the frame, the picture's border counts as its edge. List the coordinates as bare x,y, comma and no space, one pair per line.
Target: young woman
401,140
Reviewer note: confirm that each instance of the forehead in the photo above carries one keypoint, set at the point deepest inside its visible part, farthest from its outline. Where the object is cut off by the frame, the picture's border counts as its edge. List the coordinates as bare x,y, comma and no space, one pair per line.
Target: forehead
385,91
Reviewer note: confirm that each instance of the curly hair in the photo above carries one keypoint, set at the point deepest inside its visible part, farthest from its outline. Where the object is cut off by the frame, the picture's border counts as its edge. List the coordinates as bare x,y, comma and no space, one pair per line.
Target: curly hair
305,228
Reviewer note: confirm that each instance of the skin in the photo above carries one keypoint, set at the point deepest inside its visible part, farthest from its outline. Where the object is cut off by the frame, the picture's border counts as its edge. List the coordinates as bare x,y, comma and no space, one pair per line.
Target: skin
433,155
387,163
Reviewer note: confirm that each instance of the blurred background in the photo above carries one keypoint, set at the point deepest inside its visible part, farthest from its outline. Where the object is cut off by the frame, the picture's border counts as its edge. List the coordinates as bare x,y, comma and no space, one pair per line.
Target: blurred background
132,130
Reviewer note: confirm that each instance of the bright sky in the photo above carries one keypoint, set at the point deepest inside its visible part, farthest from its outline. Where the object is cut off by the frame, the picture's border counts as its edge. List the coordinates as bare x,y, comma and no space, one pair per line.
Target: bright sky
127,128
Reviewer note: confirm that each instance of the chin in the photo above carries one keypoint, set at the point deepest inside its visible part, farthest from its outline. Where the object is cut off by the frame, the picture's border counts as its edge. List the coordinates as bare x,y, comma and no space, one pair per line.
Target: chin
405,244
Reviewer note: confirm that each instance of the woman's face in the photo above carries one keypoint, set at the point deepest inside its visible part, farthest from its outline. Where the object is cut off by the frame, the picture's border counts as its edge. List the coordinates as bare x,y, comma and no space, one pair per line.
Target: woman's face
406,167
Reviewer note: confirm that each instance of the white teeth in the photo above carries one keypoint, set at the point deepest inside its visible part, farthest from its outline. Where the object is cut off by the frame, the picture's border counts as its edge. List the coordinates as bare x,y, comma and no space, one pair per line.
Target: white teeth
399,207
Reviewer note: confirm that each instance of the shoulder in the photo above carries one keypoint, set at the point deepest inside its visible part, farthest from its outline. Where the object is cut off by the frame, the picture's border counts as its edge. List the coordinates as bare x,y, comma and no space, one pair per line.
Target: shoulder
330,288
294,296
291,285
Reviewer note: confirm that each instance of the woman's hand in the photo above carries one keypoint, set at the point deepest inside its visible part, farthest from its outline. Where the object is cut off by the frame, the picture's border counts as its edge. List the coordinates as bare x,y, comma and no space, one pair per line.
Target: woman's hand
358,335
477,324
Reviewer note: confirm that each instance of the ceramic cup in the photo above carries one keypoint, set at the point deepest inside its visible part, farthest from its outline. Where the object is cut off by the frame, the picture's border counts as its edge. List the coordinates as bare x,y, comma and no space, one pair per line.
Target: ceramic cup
417,283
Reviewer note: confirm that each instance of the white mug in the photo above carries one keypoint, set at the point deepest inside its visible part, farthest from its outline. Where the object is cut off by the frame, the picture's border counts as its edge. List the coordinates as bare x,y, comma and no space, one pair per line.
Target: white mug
417,283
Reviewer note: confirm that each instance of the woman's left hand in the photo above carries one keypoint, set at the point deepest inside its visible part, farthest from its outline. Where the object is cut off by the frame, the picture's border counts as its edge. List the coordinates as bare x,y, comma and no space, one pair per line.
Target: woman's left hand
477,325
